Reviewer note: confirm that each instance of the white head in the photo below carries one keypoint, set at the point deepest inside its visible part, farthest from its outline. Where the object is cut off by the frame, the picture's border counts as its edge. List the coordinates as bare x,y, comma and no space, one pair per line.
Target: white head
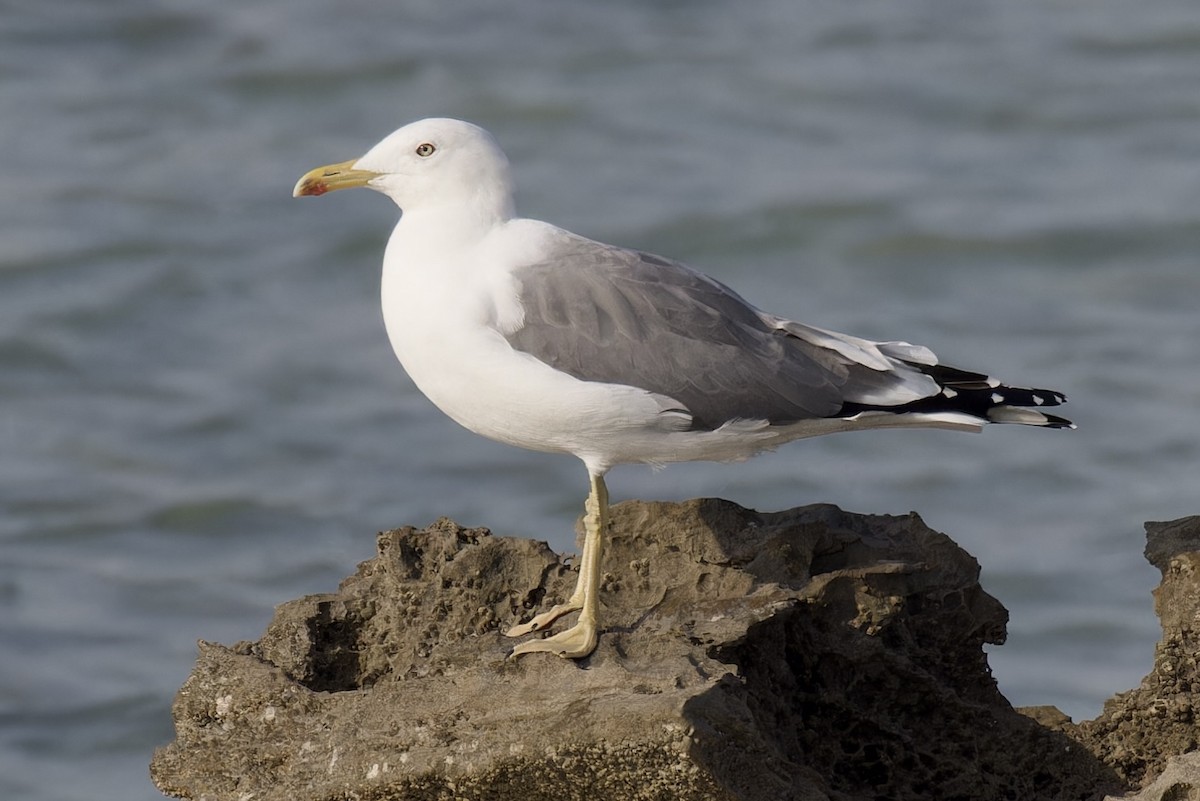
427,164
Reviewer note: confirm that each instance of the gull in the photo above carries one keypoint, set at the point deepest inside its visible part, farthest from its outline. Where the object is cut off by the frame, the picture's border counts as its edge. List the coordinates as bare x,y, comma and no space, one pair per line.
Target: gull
537,337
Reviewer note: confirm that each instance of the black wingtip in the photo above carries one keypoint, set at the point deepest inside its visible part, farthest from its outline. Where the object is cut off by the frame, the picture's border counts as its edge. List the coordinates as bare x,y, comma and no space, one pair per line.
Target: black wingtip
1054,421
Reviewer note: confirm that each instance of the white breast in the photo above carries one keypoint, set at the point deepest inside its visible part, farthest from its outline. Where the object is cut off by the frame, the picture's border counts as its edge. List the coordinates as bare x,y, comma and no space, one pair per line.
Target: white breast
444,317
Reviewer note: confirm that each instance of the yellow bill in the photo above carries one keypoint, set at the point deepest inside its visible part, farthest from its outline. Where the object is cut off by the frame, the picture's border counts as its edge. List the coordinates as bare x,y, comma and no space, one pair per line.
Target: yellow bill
334,176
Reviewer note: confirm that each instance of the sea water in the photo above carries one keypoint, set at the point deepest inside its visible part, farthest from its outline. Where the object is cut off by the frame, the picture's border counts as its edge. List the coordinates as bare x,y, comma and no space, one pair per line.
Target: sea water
200,416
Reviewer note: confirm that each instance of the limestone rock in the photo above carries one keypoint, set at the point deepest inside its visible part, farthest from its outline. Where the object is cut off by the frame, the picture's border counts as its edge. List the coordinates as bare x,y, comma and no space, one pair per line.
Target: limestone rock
1179,781
1139,731
805,654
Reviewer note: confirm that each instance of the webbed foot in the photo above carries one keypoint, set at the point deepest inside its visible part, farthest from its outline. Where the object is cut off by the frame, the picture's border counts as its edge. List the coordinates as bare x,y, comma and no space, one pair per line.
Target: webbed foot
574,643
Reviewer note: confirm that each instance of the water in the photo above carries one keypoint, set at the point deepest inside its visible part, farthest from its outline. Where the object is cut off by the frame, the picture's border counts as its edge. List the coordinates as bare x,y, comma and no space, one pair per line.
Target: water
201,416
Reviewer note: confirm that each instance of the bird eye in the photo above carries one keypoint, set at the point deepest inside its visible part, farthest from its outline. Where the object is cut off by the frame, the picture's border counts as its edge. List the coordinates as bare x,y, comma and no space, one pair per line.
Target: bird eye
425,149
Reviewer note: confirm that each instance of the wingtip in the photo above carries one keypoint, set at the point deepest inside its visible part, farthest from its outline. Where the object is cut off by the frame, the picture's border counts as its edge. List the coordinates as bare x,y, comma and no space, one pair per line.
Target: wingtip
1028,417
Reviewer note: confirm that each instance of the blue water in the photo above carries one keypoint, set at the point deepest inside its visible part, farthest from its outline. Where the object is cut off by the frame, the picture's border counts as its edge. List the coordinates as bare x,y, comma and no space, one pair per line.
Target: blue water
200,416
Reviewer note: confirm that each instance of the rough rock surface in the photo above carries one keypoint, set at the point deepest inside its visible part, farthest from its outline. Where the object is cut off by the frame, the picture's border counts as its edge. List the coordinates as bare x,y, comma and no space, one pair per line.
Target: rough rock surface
1139,731
806,654
1179,781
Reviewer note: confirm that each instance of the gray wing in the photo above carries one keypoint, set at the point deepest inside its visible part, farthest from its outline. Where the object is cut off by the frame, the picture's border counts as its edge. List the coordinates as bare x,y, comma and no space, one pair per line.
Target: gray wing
601,313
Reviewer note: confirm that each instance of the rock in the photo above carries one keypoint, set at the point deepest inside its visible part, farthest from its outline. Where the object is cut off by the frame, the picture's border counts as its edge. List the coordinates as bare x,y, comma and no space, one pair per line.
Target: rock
1179,781
1051,717
1139,731
806,654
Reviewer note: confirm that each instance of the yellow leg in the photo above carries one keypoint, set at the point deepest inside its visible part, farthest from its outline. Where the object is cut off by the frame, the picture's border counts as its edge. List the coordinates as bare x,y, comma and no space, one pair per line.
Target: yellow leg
579,640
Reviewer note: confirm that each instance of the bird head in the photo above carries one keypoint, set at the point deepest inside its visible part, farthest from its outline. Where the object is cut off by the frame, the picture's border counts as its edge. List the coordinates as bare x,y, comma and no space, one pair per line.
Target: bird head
429,163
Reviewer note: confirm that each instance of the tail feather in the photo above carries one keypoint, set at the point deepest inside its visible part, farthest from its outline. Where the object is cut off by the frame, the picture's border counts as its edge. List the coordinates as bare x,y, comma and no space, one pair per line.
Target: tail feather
977,395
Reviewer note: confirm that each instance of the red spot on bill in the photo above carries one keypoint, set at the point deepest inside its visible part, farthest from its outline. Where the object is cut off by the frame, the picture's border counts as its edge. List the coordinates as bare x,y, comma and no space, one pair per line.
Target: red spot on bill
314,187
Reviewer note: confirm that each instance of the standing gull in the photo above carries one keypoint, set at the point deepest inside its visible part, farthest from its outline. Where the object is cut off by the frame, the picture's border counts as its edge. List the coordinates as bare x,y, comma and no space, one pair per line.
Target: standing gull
534,336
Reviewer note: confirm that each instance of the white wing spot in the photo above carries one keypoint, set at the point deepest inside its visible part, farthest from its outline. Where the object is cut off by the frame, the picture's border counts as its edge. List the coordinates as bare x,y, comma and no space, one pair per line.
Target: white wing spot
997,397
949,393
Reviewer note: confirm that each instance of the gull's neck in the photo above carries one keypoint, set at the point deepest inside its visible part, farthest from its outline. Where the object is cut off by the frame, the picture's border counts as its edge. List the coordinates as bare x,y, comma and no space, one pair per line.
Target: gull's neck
451,225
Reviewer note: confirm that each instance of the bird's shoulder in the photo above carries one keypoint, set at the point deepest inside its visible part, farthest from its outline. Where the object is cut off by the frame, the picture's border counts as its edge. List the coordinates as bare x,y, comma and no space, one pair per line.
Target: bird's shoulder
549,264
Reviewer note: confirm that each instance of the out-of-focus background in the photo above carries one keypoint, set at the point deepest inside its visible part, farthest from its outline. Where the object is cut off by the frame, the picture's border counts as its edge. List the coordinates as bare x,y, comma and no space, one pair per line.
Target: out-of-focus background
200,416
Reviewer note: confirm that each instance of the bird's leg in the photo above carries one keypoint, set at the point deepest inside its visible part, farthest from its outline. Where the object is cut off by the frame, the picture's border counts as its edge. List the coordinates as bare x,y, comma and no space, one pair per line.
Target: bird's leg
574,603
545,619
579,640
